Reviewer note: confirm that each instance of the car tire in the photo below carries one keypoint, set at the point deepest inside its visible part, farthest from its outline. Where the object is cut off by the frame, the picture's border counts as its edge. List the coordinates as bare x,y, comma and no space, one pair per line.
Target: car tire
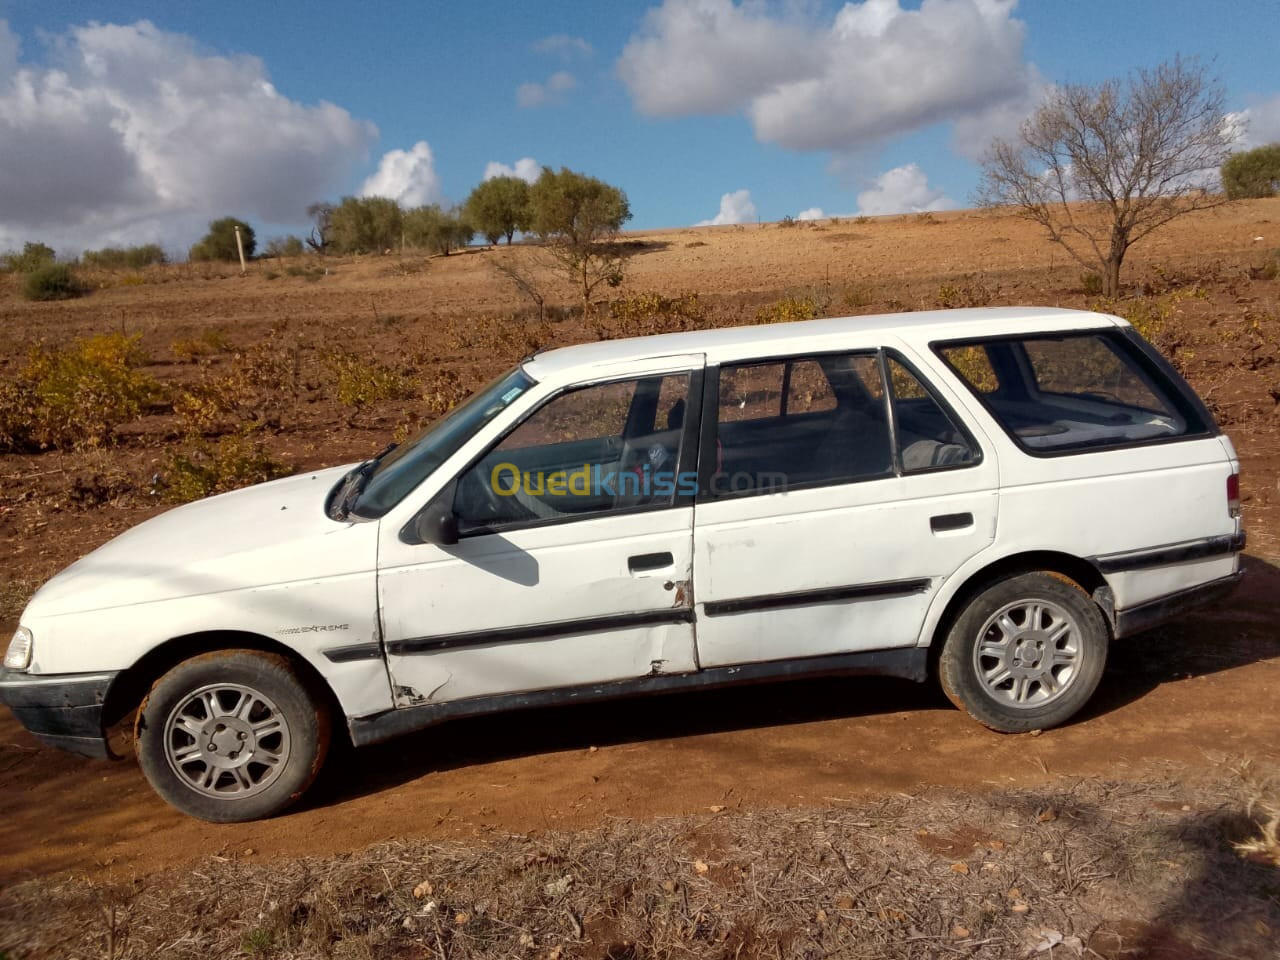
1025,653
232,735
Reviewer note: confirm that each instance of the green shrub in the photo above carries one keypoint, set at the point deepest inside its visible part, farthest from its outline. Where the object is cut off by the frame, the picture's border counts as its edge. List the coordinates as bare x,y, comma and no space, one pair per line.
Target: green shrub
33,257
787,310
75,397
53,282
220,242
204,469
643,314
124,258
289,246
1091,283
361,383
971,290
1252,173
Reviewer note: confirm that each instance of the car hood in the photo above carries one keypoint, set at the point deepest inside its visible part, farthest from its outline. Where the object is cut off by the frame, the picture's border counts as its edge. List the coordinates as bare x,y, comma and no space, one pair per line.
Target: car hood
270,533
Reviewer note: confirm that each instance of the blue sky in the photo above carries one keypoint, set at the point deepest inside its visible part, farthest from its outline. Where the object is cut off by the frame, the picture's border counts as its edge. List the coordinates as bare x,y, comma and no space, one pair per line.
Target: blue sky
680,102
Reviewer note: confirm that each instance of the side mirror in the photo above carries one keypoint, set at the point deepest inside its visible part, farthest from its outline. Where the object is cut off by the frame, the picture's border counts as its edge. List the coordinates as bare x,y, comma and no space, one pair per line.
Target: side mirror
437,525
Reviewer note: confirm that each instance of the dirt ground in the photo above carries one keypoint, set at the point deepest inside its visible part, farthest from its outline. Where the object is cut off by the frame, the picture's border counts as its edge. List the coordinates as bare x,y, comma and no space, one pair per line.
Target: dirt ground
1189,697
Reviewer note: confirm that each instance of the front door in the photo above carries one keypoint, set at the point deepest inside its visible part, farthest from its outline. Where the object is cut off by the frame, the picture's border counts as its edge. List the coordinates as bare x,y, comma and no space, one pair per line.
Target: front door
843,493
575,550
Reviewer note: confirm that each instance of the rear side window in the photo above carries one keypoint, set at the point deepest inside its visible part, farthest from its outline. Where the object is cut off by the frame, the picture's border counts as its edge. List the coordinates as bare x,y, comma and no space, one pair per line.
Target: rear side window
1075,391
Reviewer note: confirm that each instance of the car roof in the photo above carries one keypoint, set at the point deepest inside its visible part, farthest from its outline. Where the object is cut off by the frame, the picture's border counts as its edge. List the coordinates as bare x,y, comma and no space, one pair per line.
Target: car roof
779,339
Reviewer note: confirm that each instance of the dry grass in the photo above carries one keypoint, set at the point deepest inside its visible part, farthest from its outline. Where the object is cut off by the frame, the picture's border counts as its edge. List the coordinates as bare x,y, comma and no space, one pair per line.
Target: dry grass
1077,868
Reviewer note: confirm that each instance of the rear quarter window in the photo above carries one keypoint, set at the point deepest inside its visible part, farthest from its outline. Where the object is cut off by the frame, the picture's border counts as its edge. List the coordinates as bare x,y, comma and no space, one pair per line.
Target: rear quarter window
1059,393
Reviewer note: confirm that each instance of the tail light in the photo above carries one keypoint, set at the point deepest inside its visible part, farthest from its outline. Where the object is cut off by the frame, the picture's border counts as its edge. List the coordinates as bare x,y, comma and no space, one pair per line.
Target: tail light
1233,495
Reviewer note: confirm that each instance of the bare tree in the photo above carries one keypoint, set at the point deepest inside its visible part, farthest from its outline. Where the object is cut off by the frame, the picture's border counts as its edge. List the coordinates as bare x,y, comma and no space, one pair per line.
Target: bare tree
322,214
523,279
1100,167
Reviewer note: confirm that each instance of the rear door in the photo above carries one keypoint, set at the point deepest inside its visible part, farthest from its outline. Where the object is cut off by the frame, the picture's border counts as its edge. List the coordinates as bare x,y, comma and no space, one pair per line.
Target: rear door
842,493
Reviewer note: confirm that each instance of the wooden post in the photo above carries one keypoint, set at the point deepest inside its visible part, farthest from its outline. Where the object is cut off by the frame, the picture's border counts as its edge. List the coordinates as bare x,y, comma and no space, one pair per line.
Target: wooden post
240,247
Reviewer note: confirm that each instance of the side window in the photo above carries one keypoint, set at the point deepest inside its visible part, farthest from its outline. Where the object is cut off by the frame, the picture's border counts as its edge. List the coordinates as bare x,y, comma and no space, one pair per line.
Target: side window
585,452
800,422
808,389
751,392
1077,390
928,438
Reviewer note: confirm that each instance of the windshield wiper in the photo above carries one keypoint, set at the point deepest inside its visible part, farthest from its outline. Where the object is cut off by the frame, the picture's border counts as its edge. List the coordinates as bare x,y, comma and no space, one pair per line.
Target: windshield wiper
354,482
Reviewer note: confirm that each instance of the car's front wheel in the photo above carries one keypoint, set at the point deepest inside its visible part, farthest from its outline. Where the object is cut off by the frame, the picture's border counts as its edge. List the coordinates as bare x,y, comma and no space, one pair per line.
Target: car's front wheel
232,735
1026,653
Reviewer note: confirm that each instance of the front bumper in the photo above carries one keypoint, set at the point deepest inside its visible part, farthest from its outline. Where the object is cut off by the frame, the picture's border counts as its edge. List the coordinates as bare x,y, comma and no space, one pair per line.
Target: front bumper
61,710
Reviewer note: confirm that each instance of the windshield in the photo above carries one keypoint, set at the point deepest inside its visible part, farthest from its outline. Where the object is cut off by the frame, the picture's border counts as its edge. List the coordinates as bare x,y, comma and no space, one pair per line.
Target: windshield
409,464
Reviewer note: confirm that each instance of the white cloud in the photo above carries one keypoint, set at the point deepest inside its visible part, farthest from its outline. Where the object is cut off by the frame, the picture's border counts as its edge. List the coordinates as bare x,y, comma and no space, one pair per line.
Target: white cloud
526,168
1258,124
903,189
813,213
133,135
874,71
735,207
407,176
549,92
564,44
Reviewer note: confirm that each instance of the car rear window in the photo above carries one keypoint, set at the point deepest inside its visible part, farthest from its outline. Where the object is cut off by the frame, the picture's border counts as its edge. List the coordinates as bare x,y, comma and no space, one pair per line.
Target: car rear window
1074,391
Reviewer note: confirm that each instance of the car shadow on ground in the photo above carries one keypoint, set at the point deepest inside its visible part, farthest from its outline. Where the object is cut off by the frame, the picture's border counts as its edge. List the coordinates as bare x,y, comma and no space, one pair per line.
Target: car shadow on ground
1233,634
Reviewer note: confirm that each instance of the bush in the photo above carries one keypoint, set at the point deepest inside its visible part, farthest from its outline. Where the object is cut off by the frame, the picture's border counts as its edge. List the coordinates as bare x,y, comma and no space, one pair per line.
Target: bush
643,314
252,389
125,258
787,310
1091,283
220,242
233,462
52,282
33,257
75,397
289,246
971,290
361,382
1252,173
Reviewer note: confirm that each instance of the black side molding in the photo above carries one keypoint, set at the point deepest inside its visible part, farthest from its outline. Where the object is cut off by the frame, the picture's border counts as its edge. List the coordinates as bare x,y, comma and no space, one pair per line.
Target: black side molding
909,663
801,598
1162,609
541,631
353,652
1169,554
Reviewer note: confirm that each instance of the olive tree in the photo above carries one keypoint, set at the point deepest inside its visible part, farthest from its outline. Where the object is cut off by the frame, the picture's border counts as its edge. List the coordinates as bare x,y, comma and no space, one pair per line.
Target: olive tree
432,228
365,225
1102,166
1252,173
578,218
499,207
220,242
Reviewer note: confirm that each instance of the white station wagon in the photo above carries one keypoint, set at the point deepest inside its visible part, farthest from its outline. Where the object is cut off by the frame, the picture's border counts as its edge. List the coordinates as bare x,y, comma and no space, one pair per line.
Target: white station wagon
991,496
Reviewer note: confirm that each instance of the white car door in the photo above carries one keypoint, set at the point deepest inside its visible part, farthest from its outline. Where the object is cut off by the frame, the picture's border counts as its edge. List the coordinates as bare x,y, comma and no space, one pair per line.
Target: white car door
574,551
836,510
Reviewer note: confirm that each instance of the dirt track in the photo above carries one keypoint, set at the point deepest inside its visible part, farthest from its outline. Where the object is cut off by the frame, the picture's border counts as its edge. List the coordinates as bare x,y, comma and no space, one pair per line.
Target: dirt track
1186,696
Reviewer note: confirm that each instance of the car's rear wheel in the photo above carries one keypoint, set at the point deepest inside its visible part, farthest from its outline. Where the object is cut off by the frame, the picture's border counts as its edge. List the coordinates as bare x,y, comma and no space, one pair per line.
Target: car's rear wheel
1026,653
232,735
